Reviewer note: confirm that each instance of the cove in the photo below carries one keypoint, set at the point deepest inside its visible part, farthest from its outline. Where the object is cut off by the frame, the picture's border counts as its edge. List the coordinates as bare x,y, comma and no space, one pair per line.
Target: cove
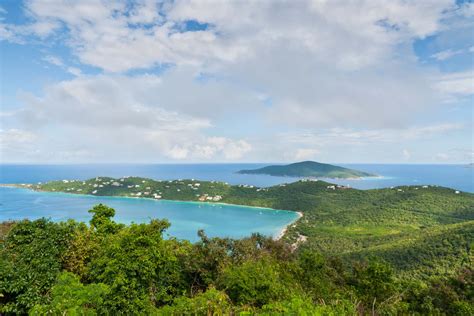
186,218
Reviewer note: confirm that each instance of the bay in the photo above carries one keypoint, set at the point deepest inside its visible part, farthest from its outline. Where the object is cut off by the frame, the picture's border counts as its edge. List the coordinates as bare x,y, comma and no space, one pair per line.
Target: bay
186,218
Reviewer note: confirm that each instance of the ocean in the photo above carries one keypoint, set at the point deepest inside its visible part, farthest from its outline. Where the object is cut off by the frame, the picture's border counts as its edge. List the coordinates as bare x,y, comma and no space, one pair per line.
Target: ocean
460,177
187,218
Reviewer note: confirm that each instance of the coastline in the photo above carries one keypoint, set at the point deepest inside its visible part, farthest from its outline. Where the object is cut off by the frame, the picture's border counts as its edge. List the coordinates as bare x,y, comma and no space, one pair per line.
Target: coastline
284,229
19,186
278,236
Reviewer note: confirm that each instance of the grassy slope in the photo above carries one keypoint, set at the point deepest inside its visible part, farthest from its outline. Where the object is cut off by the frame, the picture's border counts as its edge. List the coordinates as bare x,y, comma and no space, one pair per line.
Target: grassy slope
419,230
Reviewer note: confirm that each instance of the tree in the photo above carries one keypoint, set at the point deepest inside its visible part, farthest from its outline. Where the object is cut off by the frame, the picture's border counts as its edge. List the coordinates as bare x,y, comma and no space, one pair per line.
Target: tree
139,266
70,297
254,282
102,221
30,261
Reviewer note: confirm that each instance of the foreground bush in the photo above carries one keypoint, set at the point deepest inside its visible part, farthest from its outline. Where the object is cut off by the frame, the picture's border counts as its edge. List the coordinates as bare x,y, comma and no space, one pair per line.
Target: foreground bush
71,268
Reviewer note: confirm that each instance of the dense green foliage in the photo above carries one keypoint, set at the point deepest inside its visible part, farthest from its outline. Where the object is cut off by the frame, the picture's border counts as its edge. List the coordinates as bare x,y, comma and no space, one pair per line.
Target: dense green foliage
404,250
308,169
108,268
419,230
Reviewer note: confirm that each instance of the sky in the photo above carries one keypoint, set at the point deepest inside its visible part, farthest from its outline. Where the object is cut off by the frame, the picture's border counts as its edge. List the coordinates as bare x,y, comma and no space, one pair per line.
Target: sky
236,81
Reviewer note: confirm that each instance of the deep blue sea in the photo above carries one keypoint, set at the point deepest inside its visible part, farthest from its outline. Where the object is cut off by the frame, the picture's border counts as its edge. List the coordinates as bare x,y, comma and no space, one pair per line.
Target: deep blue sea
187,217
460,177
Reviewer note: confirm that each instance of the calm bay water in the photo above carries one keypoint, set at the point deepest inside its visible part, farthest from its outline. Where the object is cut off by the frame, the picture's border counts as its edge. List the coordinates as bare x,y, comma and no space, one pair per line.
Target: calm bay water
187,218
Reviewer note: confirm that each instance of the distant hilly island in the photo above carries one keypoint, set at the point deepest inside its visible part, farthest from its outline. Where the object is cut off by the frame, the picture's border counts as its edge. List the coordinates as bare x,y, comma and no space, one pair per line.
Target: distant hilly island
309,169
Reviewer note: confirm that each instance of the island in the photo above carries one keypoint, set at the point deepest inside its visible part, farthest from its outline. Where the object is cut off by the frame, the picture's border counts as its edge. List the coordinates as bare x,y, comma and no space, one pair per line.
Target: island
309,169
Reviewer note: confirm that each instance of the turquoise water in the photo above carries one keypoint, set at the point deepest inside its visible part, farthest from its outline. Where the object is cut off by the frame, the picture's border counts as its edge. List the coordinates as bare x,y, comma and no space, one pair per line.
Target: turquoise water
186,218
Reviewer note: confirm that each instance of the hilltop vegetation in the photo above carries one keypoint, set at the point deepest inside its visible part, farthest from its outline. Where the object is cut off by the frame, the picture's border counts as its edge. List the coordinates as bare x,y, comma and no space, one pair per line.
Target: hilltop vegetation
71,268
308,169
337,220
403,250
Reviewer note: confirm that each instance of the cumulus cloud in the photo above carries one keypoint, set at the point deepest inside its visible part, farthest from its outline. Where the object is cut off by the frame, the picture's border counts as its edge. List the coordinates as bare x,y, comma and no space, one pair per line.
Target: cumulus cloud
338,71
122,117
320,62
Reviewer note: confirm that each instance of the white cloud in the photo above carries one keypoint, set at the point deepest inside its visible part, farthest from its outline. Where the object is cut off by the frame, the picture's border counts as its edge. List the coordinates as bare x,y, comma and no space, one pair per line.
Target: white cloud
54,60
320,62
74,71
321,65
446,54
349,35
108,115
343,136
455,85
16,142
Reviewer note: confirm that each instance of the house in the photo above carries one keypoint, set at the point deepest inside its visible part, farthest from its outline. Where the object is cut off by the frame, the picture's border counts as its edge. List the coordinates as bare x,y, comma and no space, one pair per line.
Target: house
457,192
94,192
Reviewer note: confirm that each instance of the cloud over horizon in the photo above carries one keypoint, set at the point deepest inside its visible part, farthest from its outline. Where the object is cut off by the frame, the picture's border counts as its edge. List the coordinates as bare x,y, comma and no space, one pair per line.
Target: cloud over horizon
192,80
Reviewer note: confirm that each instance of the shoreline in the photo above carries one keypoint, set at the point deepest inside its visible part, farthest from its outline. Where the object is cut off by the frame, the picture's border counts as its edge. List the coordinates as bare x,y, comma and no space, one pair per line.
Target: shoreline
285,229
19,186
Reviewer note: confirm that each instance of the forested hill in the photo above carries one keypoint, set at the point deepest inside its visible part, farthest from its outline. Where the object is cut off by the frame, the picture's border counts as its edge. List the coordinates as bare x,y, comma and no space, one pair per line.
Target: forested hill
308,169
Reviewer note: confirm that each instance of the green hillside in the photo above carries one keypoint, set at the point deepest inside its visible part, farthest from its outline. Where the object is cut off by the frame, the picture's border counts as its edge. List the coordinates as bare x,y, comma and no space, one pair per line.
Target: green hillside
405,250
308,169
337,219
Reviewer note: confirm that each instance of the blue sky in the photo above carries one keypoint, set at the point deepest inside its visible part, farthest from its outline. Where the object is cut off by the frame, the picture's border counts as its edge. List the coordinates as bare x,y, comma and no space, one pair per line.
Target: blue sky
236,81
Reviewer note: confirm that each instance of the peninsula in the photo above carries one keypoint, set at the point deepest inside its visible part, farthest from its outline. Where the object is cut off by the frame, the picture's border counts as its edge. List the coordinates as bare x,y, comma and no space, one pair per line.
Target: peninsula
415,221
309,169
